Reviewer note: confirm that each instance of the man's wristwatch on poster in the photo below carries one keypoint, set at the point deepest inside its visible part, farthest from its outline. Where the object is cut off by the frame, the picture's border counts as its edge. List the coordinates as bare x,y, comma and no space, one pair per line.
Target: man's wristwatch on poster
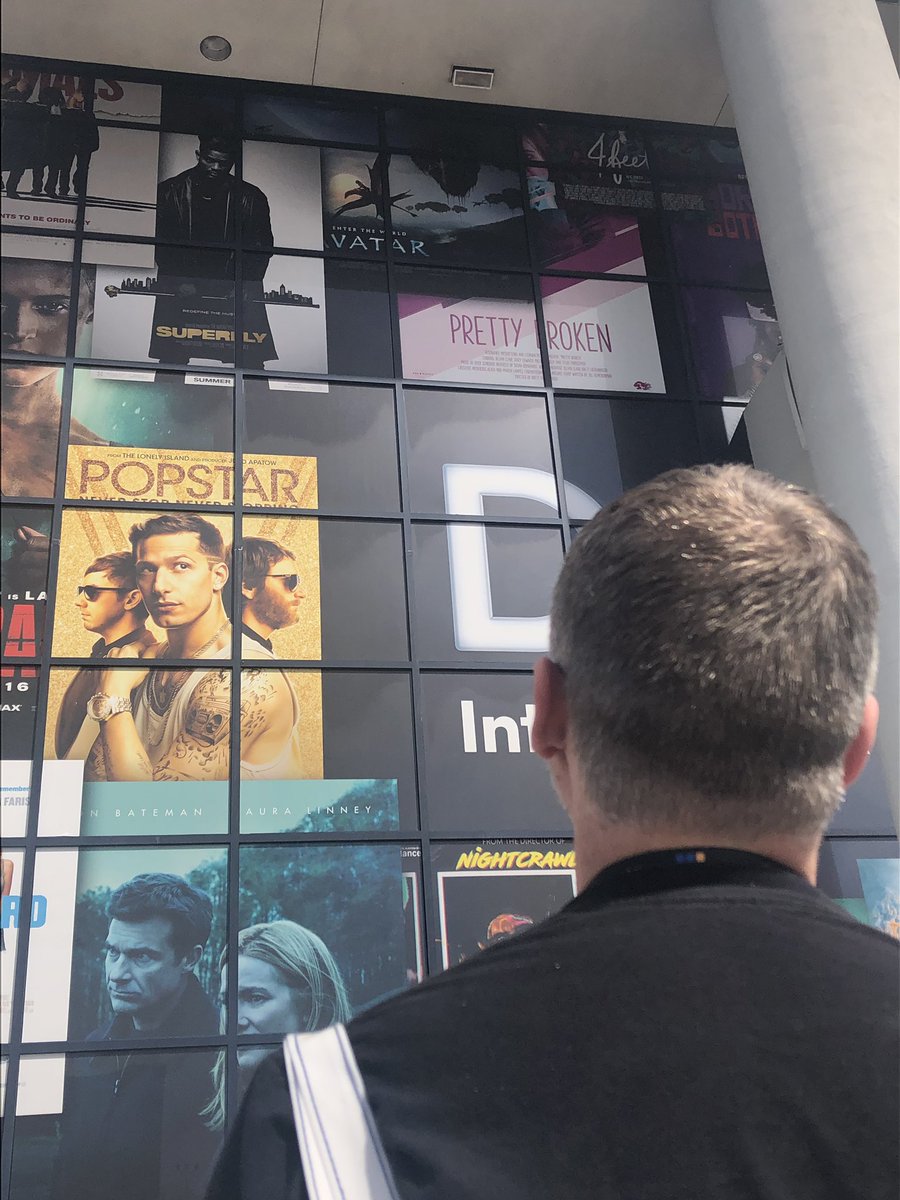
101,707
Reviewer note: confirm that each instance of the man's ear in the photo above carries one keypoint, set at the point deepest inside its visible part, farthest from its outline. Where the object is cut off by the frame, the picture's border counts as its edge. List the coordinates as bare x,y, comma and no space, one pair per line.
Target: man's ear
857,753
133,599
248,592
550,728
220,576
191,959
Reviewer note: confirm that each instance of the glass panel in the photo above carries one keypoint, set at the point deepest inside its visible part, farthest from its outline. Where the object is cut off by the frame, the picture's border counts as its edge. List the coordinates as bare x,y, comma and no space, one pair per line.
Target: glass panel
461,211
136,435
281,196
171,592
414,913
48,142
611,160
18,718
576,230
601,335
179,312
284,313
429,137
340,904
113,931
280,588
480,770
734,336
312,118
479,454
609,446
484,590
353,201
162,769
24,562
359,319
715,235
86,1122
348,433
684,154
363,591
284,785
863,875
122,182
490,892
467,327
37,302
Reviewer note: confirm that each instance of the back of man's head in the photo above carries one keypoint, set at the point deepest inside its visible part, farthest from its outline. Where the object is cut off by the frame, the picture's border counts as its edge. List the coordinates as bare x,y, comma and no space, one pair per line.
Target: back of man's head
716,629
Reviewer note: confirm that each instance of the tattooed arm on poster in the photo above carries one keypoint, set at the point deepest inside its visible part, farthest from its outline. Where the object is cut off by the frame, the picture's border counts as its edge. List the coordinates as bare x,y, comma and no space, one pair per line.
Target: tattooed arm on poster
200,750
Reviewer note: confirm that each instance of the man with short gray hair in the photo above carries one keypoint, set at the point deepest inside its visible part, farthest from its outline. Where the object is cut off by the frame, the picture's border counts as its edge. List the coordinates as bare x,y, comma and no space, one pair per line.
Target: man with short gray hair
700,1021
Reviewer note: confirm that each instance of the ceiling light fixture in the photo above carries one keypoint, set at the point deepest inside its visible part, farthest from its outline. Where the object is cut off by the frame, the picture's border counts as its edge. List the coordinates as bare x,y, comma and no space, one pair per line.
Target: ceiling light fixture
215,48
472,77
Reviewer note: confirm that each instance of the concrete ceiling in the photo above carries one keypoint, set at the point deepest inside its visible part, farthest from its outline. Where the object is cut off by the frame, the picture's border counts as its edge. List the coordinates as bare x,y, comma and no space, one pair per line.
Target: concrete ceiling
641,58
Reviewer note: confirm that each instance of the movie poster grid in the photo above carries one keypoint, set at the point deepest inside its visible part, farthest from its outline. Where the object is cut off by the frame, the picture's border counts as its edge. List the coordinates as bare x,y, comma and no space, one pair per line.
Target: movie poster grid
495,890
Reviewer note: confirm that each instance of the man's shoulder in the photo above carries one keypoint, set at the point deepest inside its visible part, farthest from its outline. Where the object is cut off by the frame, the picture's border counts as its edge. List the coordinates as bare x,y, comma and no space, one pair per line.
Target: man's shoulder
175,182
250,191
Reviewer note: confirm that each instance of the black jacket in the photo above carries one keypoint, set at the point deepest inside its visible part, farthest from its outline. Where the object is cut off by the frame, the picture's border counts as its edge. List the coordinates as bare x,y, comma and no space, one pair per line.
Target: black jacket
680,1031
131,1123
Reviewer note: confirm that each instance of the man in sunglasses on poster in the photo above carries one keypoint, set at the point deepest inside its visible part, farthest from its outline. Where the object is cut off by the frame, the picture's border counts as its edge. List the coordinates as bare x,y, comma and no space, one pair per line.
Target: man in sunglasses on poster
173,724
110,605
270,594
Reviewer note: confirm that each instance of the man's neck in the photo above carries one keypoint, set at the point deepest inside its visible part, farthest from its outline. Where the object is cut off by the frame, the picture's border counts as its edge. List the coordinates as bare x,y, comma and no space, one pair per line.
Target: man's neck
147,1022
186,640
258,627
599,845
120,629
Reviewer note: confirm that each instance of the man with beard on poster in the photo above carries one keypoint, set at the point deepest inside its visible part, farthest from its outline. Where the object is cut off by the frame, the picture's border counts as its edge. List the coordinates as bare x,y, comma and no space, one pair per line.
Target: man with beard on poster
36,303
137,1116
270,600
204,205
111,606
173,725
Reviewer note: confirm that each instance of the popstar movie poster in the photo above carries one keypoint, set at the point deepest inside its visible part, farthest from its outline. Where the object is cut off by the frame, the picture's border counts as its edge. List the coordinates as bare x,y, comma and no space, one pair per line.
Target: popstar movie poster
170,604
37,302
168,437
493,891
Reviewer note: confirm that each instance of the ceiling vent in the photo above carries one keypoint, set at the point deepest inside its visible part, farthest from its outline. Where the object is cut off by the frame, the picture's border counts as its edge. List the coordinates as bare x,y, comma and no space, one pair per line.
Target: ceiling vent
473,77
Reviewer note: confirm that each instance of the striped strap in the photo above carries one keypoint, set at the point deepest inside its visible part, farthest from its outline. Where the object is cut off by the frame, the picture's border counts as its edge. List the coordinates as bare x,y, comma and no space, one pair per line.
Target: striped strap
343,1158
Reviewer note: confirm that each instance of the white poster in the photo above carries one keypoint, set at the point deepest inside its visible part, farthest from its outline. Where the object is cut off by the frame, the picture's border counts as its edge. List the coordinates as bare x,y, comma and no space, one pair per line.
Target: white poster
601,335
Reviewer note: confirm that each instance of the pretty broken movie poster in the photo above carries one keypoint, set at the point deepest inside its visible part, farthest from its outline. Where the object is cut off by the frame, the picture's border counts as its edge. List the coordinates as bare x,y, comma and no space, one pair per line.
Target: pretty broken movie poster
490,892
168,436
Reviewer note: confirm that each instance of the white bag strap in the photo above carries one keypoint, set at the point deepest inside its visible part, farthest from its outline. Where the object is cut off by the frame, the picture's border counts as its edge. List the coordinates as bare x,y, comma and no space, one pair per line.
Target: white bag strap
343,1158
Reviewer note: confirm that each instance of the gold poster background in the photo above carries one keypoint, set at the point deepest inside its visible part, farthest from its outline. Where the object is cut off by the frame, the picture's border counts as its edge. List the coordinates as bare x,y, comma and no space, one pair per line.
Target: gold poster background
86,534
181,477
299,535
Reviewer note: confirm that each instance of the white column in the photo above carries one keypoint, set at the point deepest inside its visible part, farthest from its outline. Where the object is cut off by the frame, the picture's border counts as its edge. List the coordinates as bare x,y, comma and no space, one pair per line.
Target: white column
816,98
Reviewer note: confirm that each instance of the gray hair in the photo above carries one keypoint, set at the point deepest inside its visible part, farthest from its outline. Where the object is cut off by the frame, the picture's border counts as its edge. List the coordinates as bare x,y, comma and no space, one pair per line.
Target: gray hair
716,629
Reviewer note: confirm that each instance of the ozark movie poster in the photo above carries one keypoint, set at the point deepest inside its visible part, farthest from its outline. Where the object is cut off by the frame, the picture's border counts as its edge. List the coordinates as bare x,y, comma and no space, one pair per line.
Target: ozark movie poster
492,891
